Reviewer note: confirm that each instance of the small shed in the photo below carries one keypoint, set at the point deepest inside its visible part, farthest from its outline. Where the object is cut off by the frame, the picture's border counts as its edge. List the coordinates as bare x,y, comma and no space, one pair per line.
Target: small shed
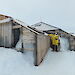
44,27
31,39
6,38
8,35
12,31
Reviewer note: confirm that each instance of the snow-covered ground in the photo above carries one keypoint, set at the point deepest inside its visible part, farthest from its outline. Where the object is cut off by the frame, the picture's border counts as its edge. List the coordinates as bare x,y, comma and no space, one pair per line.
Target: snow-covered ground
55,63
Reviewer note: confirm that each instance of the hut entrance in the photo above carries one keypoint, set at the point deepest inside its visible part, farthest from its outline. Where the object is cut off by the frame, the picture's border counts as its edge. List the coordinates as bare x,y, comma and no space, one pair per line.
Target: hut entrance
16,35
64,43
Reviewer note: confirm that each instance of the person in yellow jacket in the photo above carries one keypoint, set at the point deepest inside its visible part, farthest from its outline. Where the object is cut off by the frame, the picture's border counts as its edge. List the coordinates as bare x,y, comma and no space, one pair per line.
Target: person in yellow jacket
54,41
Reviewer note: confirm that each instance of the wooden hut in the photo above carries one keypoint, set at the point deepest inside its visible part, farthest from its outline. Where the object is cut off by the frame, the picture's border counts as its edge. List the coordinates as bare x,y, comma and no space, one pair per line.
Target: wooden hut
32,40
44,27
12,31
8,35
6,38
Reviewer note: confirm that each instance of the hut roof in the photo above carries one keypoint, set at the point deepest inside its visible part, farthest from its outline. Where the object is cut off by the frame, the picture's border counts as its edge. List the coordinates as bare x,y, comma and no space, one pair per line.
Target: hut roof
44,26
22,24
4,18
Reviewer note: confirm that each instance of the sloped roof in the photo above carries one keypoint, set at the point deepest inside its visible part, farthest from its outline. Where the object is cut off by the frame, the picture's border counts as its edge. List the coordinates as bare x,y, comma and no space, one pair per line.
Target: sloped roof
26,26
73,34
41,26
44,26
4,18
20,22
70,31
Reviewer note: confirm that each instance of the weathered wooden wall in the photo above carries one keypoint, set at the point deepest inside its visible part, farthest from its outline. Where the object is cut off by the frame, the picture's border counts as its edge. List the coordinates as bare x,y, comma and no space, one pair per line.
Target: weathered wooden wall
28,39
43,44
72,43
6,34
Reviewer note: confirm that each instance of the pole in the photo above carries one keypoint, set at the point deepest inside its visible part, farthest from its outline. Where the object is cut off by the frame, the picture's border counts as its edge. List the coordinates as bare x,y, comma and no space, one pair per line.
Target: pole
22,47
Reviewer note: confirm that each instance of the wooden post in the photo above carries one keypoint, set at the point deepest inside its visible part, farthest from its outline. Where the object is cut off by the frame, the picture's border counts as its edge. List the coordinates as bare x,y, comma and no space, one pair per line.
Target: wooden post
22,48
35,52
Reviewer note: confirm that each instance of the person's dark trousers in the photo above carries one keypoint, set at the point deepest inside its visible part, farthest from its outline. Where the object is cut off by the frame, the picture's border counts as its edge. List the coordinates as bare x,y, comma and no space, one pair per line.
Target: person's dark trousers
55,48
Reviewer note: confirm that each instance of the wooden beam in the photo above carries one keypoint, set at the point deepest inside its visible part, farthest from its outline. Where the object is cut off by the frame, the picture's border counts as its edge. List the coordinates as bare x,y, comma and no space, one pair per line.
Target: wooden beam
17,26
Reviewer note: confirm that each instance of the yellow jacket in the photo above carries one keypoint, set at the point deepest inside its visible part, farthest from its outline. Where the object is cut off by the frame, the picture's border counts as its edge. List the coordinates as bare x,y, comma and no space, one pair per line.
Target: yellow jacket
54,39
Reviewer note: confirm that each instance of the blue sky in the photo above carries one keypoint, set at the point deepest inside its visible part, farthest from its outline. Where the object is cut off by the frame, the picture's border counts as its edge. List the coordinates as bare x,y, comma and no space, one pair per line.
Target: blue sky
59,13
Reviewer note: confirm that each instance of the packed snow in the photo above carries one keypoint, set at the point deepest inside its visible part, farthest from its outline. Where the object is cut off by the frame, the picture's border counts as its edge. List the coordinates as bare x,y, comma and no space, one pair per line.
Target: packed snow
55,63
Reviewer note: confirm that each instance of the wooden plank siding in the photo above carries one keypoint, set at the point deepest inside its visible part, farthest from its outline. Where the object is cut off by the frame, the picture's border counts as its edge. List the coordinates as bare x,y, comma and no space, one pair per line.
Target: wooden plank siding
43,44
28,39
17,26
6,34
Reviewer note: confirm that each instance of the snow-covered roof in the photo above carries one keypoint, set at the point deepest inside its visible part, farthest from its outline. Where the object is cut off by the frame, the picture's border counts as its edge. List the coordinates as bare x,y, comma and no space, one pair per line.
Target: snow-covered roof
4,18
43,26
25,25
